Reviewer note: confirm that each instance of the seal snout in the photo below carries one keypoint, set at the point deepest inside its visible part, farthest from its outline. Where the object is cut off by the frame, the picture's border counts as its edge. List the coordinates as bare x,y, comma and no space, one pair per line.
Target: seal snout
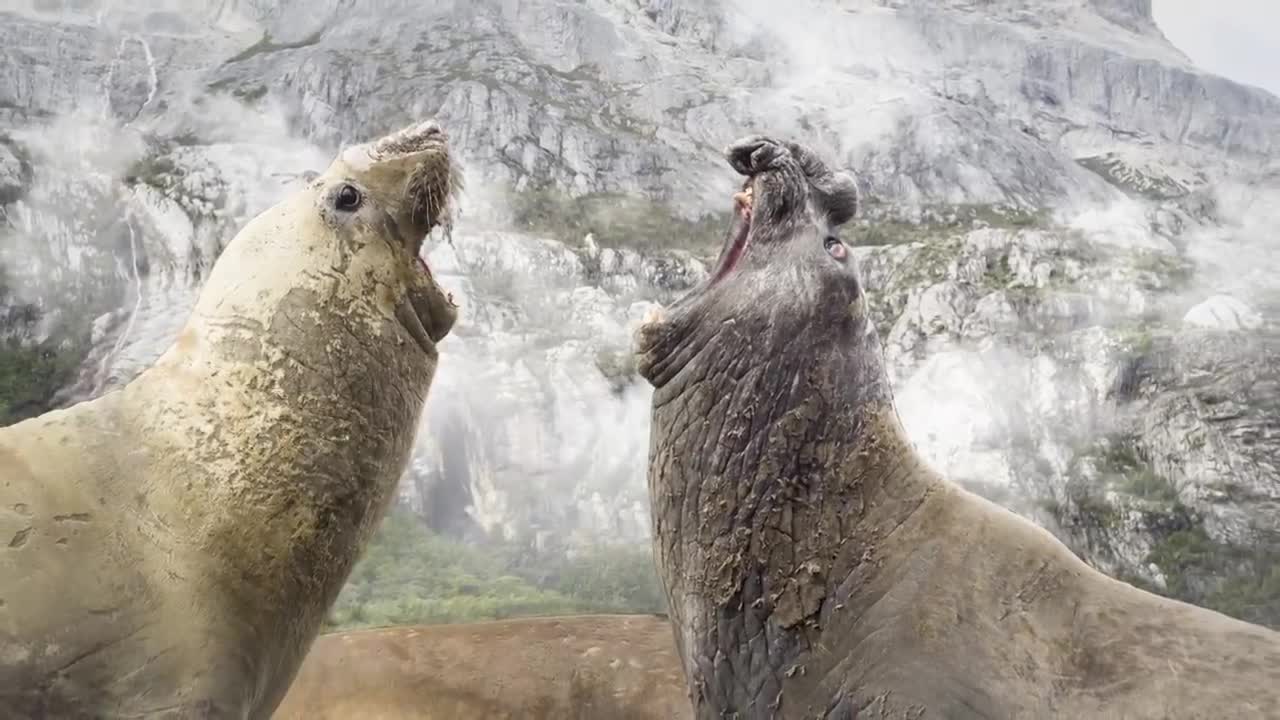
412,139
755,154
799,171
431,178
413,175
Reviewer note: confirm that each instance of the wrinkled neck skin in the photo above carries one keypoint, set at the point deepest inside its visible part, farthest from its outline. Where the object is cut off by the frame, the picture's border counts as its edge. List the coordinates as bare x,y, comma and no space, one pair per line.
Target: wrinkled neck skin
777,460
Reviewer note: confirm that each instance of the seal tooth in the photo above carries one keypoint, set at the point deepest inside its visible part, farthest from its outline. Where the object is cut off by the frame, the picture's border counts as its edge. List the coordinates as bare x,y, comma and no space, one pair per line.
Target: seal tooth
653,315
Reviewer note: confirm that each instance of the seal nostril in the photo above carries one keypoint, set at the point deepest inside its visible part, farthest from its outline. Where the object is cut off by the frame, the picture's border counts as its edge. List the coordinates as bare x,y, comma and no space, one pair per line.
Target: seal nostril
754,154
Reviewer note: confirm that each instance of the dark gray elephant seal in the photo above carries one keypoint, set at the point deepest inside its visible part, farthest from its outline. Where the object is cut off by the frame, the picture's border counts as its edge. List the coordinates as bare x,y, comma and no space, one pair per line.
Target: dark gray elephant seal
816,567
170,549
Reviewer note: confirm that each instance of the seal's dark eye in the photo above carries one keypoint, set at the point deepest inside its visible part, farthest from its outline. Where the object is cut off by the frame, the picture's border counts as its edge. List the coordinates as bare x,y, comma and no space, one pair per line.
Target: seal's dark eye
348,198
835,248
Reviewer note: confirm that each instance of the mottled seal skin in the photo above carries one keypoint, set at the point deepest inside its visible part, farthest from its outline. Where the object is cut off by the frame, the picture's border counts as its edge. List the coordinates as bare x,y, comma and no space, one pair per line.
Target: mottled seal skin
584,667
169,550
817,568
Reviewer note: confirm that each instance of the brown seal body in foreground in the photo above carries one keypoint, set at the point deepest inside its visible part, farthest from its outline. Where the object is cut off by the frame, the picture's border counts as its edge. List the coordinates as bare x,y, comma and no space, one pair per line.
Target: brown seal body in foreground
582,667
168,550
816,567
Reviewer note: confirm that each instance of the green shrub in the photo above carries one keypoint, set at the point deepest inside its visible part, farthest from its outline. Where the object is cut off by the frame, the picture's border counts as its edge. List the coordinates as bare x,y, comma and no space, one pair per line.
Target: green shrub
410,575
30,375
1253,597
1178,554
1242,583
608,578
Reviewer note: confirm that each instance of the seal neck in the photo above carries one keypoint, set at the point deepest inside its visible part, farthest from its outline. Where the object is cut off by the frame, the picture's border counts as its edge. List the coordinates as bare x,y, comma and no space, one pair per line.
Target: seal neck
772,484
280,447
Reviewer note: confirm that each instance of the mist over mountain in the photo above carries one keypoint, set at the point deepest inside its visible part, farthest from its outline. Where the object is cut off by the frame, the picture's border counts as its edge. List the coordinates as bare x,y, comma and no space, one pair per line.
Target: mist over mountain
1069,236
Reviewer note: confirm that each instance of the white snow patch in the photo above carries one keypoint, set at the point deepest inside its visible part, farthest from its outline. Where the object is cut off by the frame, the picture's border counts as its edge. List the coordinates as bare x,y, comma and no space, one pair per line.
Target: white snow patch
1222,312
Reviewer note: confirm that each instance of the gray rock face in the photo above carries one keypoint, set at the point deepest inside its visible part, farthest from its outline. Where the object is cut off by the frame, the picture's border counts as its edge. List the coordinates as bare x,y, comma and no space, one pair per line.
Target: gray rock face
1060,203
15,172
1222,312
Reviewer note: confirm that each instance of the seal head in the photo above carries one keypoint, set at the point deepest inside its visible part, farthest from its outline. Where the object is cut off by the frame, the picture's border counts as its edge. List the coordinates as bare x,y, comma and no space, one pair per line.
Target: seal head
405,187
353,237
783,275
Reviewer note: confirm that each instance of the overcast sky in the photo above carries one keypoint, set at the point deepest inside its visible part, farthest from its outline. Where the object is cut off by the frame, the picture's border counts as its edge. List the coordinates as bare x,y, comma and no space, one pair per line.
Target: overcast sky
1239,39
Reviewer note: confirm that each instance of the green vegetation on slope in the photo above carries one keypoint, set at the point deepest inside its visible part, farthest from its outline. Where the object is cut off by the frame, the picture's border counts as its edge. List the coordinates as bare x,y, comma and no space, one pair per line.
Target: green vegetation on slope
410,575
875,227
1241,582
29,376
151,169
620,220
1122,466
615,220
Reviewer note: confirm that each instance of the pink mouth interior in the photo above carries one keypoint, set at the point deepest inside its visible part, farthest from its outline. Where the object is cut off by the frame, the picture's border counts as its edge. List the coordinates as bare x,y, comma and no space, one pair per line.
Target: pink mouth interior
743,206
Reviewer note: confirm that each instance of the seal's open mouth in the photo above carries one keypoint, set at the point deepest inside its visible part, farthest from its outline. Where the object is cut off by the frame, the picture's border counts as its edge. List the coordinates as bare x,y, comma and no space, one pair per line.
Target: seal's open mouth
417,171
433,309
789,198
737,242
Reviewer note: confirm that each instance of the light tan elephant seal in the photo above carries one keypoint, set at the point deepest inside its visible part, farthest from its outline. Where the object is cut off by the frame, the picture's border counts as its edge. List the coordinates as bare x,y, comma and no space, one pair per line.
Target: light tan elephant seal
816,567
169,550
581,667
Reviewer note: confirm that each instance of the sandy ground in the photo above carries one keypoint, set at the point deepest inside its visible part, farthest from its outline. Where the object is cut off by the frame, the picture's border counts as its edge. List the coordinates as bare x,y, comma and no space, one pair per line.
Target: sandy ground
585,667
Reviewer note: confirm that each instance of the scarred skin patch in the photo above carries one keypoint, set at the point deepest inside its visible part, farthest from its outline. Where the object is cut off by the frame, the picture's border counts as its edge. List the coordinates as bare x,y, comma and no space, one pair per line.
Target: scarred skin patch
181,549
817,567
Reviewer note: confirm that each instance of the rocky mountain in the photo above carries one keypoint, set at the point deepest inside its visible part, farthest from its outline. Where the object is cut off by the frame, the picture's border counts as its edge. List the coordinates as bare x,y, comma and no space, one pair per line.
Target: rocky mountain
1068,234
